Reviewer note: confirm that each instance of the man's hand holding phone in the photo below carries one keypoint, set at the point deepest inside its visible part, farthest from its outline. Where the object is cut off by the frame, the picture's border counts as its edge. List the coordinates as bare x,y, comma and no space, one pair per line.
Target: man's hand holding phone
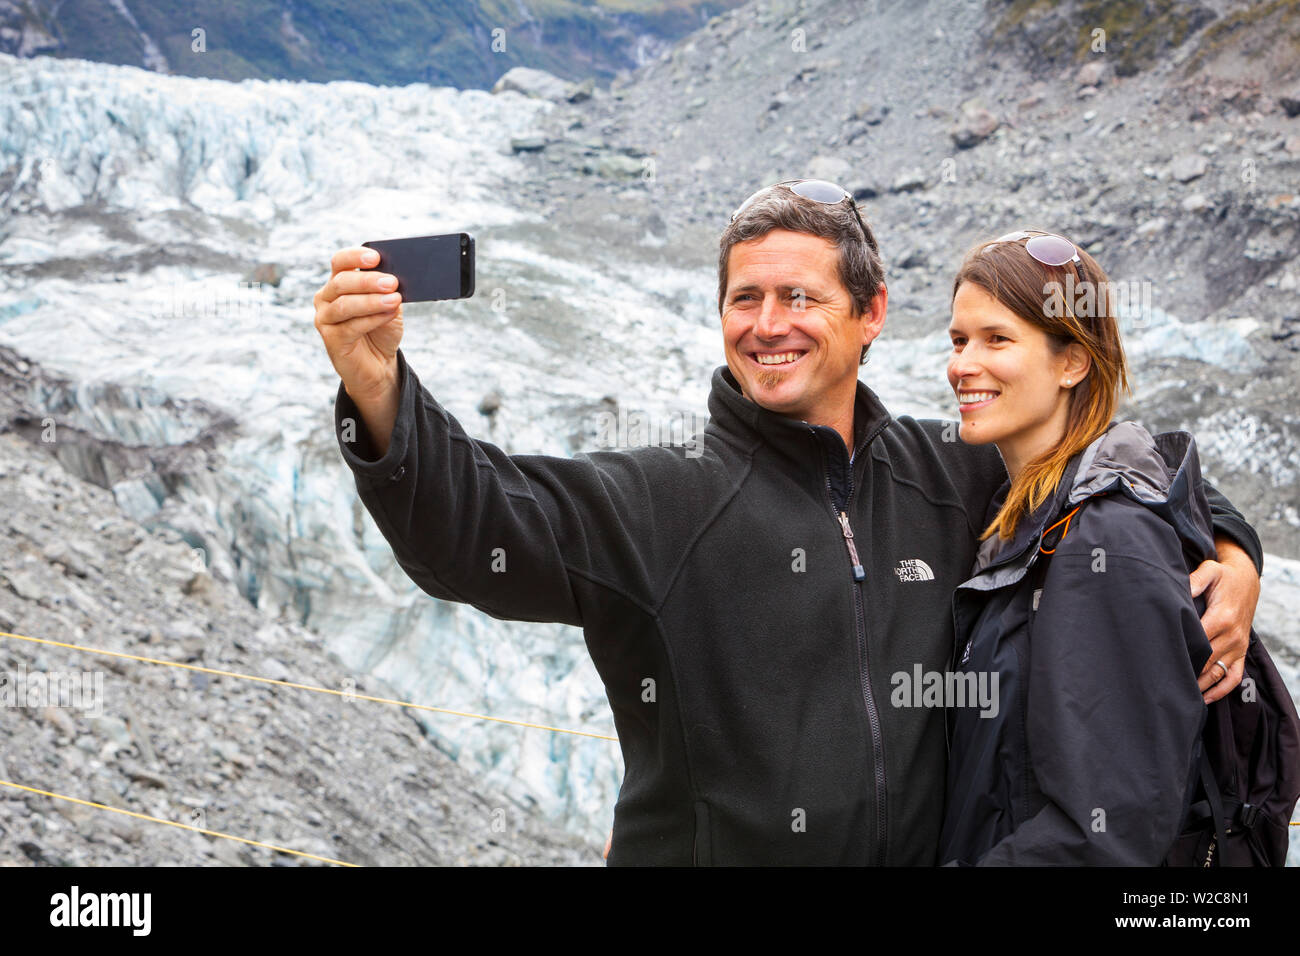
359,317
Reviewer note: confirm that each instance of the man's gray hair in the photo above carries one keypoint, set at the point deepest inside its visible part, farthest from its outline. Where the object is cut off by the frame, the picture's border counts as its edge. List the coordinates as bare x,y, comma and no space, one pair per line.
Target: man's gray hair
861,270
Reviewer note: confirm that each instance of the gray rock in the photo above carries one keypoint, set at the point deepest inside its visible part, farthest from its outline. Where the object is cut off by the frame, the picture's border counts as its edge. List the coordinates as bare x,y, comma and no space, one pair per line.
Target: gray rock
229,853
126,829
909,182
1188,166
227,750
870,114
615,166
182,629
1269,245
101,792
527,144
581,92
912,259
25,584
973,126
114,730
1152,227
531,82
60,552
831,168
273,669
266,273
58,718
142,775
199,585
862,189
1091,73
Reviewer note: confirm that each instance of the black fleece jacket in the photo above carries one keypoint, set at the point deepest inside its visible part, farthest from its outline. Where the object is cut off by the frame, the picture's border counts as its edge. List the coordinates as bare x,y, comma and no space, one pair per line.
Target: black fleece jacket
746,650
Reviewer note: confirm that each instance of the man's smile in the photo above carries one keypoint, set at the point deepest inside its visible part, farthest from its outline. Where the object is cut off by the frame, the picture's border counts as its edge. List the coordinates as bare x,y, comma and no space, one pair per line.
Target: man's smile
770,358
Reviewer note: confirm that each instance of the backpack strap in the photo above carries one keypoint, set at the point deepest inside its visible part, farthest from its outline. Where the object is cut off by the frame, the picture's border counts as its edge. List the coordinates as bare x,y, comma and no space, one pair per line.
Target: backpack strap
1210,787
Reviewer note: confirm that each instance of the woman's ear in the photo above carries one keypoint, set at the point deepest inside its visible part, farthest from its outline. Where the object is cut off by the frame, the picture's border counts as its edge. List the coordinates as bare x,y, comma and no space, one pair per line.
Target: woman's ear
1077,365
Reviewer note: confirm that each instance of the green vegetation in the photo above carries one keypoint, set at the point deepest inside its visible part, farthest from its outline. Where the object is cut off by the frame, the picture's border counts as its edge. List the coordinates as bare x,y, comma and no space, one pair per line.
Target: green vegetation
1254,25
1137,31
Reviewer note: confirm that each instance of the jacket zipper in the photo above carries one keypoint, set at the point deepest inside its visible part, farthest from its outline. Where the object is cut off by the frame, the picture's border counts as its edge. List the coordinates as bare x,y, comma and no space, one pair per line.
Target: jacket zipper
864,673
859,573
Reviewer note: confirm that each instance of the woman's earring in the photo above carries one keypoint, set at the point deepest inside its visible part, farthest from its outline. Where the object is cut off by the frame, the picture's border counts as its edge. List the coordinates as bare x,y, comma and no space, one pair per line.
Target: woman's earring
1067,381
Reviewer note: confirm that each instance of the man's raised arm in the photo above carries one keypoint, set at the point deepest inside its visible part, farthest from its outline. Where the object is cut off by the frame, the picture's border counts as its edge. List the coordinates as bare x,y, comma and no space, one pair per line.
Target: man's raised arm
522,537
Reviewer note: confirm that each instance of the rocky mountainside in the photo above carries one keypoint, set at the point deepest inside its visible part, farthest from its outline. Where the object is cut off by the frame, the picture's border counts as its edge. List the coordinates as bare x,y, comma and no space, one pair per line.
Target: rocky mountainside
443,42
348,780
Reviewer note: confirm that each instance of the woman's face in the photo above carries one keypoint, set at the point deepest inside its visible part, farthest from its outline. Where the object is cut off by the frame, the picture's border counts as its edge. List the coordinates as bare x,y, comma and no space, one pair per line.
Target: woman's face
1012,387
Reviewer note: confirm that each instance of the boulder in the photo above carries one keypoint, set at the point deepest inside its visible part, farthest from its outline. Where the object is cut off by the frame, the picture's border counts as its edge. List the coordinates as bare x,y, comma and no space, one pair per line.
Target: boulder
1091,73
528,143
580,92
973,126
530,82
1187,167
831,168
909,182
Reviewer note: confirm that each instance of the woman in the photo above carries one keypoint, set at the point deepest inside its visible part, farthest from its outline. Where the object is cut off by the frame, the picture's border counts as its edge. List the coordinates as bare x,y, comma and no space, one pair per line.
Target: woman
1078,605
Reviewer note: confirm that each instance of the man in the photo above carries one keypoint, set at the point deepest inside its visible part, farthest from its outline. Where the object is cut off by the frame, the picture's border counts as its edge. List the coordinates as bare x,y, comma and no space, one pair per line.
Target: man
745,608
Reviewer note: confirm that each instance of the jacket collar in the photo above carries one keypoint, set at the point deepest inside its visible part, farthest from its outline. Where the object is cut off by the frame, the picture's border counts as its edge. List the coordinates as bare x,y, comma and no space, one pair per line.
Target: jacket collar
740,416
1162,472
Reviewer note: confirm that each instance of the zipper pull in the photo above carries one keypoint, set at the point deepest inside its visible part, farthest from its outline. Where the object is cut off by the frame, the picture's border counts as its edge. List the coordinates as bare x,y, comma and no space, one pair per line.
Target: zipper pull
859,572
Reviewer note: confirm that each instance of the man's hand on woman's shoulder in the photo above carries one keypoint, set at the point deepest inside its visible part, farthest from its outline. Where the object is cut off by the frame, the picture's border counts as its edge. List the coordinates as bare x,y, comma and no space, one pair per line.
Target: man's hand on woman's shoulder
1231,589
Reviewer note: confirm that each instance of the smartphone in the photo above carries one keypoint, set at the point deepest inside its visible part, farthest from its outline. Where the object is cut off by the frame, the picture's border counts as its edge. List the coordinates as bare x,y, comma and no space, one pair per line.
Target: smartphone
428,267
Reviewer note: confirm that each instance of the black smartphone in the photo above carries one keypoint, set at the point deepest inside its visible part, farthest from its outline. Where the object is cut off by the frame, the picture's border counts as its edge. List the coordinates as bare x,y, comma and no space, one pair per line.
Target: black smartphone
428,267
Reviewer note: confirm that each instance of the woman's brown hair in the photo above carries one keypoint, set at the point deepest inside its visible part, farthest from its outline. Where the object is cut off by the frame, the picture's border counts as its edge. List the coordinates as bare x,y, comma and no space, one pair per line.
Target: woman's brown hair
1051,298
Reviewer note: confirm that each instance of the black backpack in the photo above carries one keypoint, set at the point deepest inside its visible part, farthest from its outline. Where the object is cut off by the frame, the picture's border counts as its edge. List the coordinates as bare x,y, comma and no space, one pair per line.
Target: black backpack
1239,810
1249,774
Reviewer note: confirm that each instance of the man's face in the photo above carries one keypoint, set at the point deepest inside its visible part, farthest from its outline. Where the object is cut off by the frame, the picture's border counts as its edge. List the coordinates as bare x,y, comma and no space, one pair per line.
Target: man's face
789,333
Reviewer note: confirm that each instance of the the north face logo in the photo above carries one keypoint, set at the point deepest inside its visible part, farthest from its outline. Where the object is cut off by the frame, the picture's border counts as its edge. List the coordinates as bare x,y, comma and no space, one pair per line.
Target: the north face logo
913,569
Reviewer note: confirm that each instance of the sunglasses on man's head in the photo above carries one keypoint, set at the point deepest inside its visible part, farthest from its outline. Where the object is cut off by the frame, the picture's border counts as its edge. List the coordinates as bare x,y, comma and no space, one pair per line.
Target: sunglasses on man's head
818,190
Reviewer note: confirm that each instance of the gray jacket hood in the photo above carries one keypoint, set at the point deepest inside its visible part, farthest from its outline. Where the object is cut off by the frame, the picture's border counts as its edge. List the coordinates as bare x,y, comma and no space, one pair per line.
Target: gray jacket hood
1162,472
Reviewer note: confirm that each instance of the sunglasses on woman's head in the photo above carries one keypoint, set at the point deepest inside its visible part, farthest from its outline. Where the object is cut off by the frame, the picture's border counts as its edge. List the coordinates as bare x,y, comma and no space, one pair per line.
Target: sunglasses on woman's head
1049,249
818,190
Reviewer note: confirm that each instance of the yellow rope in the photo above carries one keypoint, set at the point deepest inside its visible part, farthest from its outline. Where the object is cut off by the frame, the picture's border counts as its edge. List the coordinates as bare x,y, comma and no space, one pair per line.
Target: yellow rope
321,690
172,823
265,680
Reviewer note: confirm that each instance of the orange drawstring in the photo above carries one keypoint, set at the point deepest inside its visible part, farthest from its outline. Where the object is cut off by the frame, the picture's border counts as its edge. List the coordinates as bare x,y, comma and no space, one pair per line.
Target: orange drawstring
1066,521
